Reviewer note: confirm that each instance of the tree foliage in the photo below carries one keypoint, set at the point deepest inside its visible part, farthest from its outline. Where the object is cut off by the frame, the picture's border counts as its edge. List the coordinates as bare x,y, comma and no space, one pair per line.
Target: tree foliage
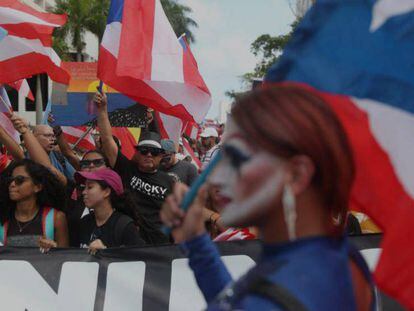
178,16
91,15
267,49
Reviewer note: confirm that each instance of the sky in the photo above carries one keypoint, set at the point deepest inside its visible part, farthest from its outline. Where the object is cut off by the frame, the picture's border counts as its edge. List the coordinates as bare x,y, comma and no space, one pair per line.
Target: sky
226,30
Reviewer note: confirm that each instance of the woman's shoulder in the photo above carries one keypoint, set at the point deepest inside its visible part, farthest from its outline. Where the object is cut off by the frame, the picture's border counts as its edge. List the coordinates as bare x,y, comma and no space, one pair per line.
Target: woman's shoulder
120,219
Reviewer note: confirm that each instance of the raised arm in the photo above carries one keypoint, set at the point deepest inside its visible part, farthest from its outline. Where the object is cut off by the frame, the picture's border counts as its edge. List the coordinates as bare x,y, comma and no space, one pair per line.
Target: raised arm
10,144
109,146
35,150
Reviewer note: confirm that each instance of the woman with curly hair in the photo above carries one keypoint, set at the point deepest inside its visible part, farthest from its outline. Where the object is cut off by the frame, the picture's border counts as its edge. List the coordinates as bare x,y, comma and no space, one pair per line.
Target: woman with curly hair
32,200
115,219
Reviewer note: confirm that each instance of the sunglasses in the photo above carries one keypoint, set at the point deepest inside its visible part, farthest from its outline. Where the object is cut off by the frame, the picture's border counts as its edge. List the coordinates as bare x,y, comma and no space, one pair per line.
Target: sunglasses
146,150
236,157
87,163
18,180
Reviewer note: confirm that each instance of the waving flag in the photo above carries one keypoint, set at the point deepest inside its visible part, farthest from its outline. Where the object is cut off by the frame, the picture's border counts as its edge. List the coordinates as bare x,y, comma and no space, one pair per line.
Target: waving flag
188,151
23,88
3,33
365,49
27,48
141,57
5,111
73,133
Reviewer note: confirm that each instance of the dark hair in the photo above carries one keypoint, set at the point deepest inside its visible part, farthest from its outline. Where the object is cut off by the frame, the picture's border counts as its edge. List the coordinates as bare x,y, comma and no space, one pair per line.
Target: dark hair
97,152
290,120
52,194
127,205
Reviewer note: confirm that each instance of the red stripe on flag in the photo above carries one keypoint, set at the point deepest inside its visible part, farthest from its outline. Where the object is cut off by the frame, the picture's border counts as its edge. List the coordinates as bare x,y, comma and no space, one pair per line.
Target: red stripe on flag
29,64
47,17
378,192
128,141
191,73
135,88
190,151
27,31
73,133
136,56
163,131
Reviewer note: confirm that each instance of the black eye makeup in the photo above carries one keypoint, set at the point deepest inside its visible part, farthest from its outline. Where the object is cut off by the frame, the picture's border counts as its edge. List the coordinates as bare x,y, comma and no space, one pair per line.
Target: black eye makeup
236,157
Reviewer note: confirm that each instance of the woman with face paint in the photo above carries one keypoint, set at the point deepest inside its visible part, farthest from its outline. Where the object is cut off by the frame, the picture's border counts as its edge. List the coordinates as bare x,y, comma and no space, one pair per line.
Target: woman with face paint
287,169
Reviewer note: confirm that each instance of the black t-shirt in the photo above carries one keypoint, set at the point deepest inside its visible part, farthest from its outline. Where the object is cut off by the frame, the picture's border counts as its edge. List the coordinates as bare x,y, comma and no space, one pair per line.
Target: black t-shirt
183,171
119,230
150,189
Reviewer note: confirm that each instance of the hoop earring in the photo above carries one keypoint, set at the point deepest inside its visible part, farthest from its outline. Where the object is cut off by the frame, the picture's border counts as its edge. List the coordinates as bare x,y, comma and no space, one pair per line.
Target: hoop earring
289,211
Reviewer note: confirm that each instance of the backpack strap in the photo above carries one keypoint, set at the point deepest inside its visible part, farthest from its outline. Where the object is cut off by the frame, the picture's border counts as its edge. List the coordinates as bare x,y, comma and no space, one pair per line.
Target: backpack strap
276,293
3,232
48,222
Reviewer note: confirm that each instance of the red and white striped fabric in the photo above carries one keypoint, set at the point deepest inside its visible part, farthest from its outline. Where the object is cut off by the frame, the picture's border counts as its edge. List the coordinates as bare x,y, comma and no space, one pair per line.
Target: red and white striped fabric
232,234
170,127
73,133
191,130
27,48
141,57
5,110
188,151
23,88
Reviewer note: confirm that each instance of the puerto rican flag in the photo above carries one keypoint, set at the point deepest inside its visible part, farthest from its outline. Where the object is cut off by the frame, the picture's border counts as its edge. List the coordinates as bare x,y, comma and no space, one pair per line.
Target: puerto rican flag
188,151
23,88
5,111
26,49
73,133
365,51
141,57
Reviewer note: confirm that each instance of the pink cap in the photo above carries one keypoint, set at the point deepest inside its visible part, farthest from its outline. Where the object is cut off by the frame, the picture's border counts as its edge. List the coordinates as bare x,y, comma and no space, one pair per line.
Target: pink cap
107,175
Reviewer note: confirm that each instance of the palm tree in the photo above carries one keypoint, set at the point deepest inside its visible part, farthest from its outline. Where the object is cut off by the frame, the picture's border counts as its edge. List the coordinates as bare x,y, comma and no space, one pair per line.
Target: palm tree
178,17
96,22
78,12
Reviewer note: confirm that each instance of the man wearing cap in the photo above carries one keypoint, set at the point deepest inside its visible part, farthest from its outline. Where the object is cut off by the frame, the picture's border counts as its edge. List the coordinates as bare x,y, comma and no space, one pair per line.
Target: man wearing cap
141,174
209,141
181,171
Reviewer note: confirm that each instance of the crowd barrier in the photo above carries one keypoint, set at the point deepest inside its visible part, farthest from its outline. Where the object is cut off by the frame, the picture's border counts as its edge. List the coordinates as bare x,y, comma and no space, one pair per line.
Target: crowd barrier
146,278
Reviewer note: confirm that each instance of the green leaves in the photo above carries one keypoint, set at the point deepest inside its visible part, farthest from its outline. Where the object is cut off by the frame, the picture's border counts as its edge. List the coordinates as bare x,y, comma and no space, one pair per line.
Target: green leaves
91,15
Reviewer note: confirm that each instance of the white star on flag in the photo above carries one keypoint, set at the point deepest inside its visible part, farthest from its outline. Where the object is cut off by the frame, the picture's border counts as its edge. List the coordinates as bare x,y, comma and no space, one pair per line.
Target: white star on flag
386,9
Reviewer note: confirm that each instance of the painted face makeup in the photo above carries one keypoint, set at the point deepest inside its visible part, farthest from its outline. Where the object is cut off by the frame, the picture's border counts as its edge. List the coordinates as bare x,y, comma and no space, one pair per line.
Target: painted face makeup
251,180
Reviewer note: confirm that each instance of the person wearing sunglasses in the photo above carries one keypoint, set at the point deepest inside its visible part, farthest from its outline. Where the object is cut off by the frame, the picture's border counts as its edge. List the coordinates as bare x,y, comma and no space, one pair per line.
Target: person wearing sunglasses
32,200
179,170
91,161
141,174
286,168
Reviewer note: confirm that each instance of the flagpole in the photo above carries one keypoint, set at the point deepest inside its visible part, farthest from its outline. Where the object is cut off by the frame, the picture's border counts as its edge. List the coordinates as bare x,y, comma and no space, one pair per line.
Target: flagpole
90,128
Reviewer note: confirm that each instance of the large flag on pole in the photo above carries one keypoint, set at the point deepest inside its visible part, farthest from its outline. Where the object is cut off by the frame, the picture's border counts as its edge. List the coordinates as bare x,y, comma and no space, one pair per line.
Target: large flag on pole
141,57
365,49
26,50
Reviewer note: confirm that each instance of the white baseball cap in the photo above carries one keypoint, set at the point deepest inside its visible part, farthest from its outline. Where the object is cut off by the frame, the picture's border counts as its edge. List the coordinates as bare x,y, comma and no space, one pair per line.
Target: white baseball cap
209,132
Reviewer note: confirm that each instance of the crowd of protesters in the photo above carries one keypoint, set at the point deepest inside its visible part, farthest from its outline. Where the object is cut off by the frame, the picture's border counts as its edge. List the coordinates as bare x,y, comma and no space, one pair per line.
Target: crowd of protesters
51,196
285,178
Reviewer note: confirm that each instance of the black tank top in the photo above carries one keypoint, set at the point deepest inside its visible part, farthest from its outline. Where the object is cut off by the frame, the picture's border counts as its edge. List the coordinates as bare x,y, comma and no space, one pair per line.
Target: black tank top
25,234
